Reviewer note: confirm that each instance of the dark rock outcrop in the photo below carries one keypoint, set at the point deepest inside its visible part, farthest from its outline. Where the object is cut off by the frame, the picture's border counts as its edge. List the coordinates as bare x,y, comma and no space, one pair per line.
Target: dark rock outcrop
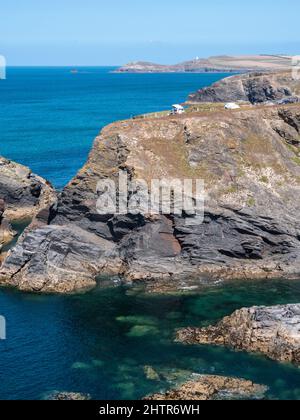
254,88
23,192
249,160
23,195
206,387
273,331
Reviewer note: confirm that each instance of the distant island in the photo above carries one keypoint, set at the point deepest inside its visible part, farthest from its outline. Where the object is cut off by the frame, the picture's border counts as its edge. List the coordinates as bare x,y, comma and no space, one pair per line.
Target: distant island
217,64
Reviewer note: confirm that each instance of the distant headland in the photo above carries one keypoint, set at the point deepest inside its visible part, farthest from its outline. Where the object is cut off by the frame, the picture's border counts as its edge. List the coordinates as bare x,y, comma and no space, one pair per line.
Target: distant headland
217,64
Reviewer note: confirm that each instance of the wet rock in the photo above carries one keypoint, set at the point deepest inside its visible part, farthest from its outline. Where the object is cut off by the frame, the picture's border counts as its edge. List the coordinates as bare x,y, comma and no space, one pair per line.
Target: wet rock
69,396
151,373
206,387
273,331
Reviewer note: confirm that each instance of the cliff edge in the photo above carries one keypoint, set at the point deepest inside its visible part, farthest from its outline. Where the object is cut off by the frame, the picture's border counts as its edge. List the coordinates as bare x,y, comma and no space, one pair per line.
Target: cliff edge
250,162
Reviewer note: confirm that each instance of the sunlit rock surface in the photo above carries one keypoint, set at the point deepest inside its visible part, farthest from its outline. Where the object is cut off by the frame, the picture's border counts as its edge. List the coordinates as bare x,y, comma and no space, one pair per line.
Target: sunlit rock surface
273,331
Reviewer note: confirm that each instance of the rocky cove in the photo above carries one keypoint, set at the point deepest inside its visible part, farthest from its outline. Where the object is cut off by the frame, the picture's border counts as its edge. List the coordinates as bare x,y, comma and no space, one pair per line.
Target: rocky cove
249,161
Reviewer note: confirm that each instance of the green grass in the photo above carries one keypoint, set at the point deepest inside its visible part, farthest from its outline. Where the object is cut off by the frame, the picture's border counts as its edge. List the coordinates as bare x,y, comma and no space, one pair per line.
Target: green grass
251,202
296,159
264,179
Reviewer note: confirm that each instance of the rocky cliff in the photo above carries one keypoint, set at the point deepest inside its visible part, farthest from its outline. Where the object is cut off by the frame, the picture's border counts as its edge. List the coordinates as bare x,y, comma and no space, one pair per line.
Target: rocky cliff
250,162
254,88
23,192
22,196
218,64
273,331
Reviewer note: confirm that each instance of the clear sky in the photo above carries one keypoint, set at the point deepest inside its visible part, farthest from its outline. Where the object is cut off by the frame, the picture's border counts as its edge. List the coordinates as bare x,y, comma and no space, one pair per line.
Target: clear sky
113,32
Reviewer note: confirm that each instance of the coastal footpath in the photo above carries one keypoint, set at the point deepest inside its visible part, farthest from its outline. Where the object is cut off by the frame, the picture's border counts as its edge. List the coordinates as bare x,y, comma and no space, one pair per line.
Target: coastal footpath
272,331
249,160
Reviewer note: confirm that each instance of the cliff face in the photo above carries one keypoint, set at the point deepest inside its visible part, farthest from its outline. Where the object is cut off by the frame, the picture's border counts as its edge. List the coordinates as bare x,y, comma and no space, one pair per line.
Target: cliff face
254,88
23,192
22,196
249,160
218,64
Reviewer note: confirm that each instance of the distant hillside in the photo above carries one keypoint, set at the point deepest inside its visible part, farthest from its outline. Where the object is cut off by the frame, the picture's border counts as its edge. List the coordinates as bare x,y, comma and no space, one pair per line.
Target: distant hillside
214,65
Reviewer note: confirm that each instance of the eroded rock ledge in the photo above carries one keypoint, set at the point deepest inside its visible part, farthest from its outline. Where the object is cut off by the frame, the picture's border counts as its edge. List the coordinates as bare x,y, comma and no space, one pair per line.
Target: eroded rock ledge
250,162
206,387
273,331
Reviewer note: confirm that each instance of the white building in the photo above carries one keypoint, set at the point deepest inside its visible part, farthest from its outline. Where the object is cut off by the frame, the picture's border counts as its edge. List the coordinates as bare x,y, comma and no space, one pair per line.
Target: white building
177,109
232,105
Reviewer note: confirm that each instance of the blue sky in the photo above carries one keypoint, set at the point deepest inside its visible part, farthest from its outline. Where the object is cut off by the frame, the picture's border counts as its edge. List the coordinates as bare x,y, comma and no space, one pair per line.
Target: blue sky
98,32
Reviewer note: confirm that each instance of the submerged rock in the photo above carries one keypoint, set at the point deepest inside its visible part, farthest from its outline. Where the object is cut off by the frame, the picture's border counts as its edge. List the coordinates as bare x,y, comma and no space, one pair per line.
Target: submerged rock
69,396
151,373
138,320
142,331
254,88
206,387
250,165
273,331
23,196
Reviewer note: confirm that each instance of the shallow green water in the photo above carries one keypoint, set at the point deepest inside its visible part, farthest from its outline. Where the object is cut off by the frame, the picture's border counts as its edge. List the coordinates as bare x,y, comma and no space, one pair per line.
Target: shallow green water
18,228
101,342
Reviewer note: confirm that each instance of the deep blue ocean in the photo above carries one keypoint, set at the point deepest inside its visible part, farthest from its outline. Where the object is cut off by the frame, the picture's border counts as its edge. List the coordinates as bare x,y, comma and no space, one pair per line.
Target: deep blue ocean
49,117
103,342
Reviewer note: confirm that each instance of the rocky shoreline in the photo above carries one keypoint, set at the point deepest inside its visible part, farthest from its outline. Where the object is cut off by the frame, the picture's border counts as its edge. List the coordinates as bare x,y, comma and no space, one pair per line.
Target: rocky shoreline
207,388
272,331
249,160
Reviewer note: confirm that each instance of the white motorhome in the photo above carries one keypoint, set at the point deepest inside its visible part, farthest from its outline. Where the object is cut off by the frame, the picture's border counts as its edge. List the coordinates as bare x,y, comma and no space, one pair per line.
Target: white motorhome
231,105
177,109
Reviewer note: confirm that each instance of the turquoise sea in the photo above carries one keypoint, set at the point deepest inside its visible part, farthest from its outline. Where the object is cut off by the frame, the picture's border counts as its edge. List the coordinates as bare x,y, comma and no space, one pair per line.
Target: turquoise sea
102,342
49,117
